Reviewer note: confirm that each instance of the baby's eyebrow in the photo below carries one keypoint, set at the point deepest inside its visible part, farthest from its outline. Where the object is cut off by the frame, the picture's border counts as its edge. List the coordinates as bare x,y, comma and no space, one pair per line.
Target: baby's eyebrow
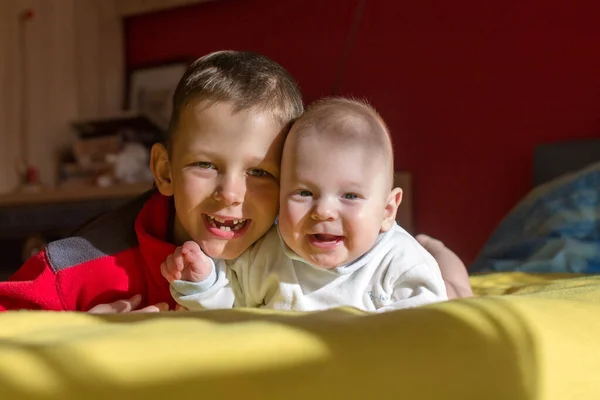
353,185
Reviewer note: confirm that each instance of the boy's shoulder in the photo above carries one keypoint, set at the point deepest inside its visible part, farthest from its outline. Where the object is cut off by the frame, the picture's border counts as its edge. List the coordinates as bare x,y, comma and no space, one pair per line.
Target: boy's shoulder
107,234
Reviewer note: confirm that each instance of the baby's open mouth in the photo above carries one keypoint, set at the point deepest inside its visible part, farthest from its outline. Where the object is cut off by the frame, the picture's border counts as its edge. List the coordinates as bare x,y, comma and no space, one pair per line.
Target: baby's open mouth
322,237
226,225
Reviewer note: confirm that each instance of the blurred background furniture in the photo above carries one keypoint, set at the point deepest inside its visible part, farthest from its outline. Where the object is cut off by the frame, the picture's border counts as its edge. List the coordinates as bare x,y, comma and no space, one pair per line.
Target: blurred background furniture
27,220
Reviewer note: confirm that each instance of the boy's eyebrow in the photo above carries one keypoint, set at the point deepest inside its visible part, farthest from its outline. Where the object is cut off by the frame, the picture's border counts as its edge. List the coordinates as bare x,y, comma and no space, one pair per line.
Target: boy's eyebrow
264,163
256,160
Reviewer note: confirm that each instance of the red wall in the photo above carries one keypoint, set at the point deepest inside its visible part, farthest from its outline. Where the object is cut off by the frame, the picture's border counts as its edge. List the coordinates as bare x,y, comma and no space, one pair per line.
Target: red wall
467,87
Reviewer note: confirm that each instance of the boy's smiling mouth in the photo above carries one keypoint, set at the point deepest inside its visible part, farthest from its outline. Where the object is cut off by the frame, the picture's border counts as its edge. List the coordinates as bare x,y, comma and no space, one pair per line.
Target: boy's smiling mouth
226,224
224,227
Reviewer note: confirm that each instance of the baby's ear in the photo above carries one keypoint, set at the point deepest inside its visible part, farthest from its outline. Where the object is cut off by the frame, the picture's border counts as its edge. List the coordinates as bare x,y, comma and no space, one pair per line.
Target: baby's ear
161,169
389,215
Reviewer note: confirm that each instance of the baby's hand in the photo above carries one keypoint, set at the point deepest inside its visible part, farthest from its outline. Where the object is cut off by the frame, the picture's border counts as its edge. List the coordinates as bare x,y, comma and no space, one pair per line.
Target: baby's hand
188,263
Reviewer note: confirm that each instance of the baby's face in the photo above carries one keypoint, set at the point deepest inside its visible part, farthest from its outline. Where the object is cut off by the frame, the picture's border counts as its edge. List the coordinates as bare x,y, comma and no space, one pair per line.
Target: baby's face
333,199
224,171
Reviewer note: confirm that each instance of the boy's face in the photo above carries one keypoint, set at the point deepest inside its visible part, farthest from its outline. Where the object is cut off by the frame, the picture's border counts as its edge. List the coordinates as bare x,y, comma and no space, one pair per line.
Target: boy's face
334,200
224,176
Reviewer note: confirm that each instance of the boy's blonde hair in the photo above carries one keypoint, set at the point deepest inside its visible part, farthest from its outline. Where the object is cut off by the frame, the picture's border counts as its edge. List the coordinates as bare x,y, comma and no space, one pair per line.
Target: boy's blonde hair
248,80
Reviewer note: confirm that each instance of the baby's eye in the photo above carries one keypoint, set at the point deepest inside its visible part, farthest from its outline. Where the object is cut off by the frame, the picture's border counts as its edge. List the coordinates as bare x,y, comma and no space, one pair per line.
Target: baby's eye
203,165
304,193
350,196
258,173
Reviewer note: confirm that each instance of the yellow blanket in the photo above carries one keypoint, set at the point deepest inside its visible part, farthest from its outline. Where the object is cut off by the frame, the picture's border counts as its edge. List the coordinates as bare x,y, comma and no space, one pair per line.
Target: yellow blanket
541,341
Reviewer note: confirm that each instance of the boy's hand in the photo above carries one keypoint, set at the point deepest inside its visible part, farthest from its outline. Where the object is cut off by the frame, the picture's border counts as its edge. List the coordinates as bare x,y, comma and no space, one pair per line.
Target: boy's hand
188,263
128,306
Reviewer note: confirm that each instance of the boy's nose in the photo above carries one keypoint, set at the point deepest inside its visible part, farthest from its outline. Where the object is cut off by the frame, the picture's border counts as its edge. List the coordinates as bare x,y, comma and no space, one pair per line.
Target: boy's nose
231,191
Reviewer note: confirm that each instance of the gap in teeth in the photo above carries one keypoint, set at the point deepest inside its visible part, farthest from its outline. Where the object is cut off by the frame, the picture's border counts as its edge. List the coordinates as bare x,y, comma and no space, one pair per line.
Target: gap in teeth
237,223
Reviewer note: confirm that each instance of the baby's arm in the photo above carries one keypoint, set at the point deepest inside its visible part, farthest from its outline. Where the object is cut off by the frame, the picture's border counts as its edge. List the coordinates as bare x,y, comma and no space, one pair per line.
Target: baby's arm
196,282
417,286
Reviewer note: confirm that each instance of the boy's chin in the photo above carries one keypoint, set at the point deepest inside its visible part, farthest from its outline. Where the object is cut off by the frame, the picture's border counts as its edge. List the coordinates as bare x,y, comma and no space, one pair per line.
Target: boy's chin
224,250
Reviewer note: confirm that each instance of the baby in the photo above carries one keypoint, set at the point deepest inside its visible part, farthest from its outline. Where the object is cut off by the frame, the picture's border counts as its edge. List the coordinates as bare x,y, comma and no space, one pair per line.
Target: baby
336,242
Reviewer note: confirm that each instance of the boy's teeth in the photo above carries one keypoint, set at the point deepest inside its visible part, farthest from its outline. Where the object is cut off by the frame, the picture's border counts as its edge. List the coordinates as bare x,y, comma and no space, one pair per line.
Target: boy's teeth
237,223
234,221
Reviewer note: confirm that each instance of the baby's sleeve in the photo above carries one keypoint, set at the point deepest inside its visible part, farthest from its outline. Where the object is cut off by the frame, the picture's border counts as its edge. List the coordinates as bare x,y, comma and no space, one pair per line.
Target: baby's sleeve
419,285
214,292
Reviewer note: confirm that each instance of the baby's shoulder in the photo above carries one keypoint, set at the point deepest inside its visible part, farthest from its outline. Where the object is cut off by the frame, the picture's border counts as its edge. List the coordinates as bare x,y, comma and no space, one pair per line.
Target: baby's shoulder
403,249
270,241
269,245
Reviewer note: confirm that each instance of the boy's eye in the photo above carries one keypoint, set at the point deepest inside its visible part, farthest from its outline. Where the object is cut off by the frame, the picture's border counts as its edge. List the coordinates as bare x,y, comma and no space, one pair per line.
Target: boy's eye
350,196
203,165
258,173
304,193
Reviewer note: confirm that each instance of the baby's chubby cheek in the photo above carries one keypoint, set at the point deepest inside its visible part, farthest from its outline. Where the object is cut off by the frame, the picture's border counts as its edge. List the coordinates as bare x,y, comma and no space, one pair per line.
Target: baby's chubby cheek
286,228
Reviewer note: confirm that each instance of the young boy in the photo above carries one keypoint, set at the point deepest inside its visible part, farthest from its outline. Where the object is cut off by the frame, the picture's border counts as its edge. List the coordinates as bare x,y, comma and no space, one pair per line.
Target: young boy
219,166
337,243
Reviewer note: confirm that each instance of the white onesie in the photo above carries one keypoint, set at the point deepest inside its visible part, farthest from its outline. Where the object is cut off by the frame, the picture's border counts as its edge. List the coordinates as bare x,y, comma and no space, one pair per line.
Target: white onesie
396,273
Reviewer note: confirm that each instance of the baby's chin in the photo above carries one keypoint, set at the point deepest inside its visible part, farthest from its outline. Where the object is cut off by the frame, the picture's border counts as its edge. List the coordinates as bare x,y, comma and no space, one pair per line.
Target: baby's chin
326,261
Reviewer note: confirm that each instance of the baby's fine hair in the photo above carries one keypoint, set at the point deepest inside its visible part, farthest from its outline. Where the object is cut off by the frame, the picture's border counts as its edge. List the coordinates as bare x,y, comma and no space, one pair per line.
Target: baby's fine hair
349,120
248,80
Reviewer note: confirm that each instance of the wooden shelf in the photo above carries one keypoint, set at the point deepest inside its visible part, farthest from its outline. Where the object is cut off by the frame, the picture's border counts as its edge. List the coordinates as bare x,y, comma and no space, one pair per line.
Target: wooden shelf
128,8
48,196
54,213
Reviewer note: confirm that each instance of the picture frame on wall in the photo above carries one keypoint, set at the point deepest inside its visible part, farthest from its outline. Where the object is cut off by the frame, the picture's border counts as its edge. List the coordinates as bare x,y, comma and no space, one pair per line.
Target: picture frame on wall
150,90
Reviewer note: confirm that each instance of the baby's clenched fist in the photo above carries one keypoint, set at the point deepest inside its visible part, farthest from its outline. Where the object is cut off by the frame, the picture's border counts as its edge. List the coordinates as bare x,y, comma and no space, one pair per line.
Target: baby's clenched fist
187,263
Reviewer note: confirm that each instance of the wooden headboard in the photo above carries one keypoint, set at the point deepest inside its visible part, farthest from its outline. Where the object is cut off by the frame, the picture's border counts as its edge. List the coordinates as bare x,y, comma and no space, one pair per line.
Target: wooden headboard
404,216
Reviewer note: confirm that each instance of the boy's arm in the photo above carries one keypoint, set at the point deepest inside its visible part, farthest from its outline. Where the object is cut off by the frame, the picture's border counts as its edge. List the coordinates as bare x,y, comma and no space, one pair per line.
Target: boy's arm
417,286
213,292
32,287
38,285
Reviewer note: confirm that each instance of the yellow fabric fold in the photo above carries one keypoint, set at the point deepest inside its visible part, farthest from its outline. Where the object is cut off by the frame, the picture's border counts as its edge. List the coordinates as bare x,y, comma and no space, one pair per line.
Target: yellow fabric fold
524,337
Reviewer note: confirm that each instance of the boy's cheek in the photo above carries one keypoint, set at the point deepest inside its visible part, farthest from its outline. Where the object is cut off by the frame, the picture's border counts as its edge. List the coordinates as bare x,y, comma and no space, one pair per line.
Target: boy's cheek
267,195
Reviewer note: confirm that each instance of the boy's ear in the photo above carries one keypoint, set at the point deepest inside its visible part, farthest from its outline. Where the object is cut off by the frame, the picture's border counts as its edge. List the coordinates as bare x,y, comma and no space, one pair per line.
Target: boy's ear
391,207
161,169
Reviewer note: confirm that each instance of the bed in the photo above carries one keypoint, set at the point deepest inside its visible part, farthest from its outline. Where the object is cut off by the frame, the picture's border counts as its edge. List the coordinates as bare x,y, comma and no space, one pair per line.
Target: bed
556,227
524,336
528,337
